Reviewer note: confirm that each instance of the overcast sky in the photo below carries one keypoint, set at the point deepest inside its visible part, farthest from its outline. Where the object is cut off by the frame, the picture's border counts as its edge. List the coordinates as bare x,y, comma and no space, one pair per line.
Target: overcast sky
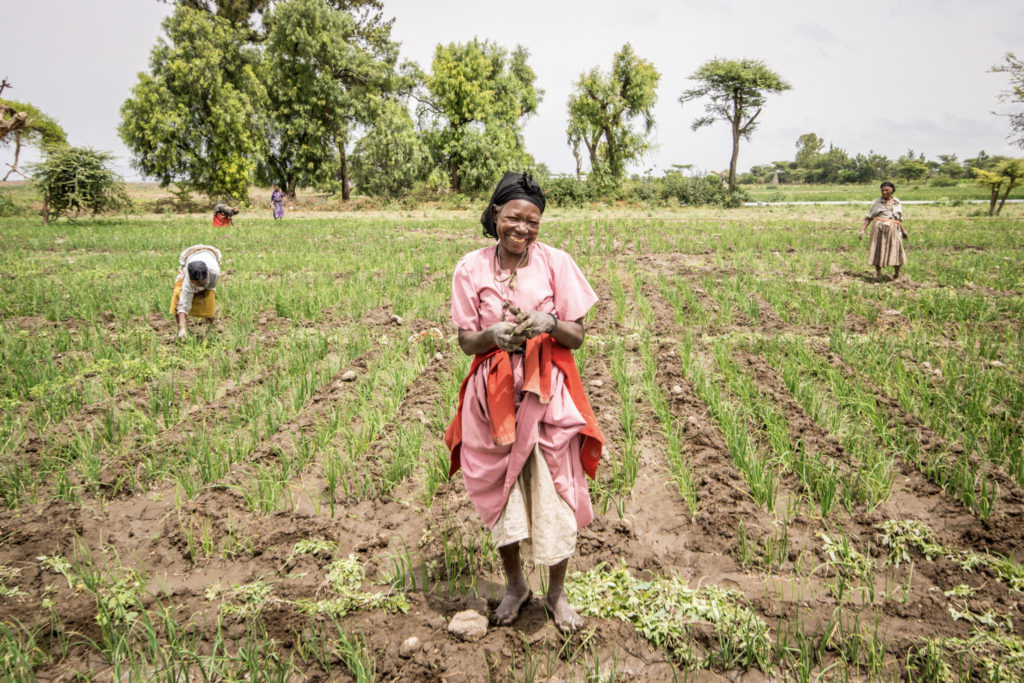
865,76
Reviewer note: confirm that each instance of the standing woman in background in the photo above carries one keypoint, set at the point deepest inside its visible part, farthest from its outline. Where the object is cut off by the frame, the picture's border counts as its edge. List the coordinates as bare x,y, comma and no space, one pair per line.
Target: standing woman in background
885,247
524,435
277,202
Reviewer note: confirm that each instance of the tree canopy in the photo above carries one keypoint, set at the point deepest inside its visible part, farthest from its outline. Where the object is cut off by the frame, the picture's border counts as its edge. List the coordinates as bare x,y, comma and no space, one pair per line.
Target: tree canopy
604,111
37,130
320,81
197,118
477,96
1014,66
737,90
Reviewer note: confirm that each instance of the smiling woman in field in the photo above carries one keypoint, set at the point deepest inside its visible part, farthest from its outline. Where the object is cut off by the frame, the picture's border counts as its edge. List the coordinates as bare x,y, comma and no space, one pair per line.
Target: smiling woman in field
885,247
525,434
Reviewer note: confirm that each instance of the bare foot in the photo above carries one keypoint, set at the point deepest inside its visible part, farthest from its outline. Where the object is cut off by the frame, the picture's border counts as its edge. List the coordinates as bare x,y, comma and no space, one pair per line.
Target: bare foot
566,619
511,605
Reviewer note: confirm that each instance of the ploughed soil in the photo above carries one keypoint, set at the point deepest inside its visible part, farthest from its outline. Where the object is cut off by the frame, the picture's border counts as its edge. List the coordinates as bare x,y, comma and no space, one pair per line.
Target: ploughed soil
156,531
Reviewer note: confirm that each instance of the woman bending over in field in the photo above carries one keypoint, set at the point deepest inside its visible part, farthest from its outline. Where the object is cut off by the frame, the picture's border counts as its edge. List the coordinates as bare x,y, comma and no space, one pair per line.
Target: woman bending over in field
524,434
885,247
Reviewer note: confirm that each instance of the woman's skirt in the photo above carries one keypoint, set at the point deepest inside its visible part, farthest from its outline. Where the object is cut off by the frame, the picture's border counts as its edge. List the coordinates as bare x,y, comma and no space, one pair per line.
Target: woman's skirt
204,304
886,246
537,517
278,209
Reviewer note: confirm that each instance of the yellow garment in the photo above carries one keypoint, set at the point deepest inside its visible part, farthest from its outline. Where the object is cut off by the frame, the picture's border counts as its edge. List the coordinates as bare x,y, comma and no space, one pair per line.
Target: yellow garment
204,304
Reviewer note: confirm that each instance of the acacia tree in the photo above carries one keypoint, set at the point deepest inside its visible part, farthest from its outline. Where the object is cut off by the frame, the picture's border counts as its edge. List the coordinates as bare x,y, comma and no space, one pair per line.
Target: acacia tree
197,118
603,111
321,81
36,129
477,96
1015,67
1009,172
737,90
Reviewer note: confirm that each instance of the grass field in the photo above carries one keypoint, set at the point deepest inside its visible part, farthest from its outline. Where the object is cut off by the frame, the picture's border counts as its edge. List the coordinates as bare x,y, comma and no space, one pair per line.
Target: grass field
916,190
809,474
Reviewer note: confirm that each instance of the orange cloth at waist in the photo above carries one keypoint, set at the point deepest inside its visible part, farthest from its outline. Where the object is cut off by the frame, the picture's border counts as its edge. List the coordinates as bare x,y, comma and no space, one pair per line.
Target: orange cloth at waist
890,220
541,352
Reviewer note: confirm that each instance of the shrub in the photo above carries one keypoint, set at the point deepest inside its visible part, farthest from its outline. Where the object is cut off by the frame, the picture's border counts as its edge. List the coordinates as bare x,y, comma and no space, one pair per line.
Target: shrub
941,181
567,191
701,190
8,207
77,179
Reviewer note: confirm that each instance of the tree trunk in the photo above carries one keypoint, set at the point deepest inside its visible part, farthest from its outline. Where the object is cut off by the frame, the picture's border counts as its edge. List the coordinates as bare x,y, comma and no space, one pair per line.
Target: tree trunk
735,154
1005,195
992,201
17,151
46,208
346,191
456,179
612,163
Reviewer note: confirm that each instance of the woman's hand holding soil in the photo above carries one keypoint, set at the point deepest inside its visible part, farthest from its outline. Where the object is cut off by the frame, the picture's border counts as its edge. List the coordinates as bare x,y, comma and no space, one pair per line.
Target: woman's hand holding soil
531,323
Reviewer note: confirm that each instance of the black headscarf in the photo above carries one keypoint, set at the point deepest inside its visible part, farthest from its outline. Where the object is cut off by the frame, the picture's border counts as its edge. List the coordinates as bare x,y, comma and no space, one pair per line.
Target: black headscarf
512,186
197,271
889,184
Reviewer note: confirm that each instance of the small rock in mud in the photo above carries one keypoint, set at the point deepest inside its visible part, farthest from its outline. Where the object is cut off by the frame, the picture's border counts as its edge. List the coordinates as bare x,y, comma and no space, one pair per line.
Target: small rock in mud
926,365
396,319
349,376
691,425
996,363
409,647
937,373
597,384
468,625
677,390
438,356
420,415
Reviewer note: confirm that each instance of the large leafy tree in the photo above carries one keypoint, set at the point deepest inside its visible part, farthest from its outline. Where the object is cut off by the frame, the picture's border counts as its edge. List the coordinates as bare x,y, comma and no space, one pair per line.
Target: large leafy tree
37,130
737,90
391,156
196,118
477,96
368,13
1014,66
604,110
322,80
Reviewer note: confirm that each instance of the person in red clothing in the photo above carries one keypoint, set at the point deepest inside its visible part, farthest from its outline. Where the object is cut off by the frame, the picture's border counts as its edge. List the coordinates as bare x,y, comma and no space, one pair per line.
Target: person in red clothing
222,214
524,435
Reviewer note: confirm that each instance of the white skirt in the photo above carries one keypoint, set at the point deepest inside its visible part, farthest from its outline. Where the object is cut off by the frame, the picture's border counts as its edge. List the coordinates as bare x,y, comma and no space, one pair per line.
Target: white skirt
536,516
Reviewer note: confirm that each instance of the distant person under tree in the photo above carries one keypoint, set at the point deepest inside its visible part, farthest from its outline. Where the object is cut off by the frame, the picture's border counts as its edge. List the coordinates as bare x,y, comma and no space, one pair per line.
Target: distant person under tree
277,202
222,214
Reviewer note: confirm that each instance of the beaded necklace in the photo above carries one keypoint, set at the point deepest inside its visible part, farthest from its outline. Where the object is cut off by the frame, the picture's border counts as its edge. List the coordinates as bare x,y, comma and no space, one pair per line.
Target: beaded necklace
507,285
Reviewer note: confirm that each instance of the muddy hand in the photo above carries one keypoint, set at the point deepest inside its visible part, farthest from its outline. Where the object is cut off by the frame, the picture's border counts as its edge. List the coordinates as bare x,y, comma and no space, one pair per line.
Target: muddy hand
532,323
504,336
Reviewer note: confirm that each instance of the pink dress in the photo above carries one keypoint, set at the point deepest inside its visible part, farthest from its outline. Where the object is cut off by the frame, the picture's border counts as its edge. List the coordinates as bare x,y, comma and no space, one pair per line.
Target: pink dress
550,282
